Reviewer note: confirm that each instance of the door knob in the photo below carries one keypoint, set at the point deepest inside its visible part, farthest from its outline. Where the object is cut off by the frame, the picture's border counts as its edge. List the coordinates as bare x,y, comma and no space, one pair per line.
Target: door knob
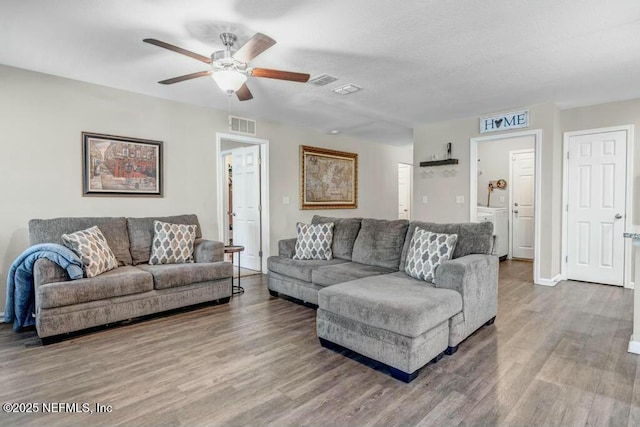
515,211
515,204
618,216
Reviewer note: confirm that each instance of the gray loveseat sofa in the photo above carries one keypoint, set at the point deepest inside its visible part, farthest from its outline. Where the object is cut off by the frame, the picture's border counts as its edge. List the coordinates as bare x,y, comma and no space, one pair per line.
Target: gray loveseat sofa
133,289
366,302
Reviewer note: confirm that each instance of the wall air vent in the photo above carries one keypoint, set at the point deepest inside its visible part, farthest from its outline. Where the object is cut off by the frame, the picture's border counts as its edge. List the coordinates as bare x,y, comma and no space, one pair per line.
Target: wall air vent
242,125
322,80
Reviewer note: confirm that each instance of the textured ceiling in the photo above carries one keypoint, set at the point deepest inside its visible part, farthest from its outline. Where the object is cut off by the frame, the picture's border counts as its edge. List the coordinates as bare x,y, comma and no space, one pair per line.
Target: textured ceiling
417,61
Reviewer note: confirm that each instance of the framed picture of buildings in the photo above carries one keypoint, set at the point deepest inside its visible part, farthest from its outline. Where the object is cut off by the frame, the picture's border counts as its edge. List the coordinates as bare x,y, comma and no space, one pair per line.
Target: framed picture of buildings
121,166
329,179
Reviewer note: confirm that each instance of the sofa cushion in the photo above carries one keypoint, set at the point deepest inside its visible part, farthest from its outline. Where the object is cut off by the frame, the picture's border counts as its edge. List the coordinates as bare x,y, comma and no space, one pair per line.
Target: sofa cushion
333,274
91,247
122,281
380,242
175,275
141,234
345,232
172,243
473,238
313,241
427,251
393,302
114,230
297,268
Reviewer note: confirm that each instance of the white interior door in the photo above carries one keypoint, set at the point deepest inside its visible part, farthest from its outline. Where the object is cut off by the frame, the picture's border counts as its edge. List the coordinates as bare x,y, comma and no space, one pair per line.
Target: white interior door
404,190
246,205
596,207
522,204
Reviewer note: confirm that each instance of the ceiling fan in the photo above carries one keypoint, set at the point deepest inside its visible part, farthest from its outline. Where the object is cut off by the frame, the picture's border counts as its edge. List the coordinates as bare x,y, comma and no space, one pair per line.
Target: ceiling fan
229,67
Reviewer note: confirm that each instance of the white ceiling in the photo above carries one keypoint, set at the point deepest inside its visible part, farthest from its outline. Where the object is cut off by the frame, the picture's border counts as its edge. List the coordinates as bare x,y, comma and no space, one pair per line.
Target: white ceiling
417,61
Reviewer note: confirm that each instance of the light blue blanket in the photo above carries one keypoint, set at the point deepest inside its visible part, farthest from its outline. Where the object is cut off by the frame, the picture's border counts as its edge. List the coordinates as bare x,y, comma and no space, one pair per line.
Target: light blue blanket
20,305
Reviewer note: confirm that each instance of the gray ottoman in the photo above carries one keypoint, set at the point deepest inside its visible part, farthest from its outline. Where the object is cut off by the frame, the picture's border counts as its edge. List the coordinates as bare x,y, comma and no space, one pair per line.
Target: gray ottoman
393,319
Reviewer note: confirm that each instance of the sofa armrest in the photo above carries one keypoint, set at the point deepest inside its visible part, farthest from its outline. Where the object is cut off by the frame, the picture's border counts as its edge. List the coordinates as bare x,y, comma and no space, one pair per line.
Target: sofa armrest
46,271
287,247
208,251
475,277
494,245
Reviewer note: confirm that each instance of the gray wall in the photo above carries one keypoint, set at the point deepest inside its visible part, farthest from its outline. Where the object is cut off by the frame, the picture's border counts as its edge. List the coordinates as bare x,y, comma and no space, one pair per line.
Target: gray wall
442,189
42,117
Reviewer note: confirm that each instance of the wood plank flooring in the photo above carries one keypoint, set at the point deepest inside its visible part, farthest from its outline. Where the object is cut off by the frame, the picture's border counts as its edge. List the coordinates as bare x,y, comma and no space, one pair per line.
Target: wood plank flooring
555,356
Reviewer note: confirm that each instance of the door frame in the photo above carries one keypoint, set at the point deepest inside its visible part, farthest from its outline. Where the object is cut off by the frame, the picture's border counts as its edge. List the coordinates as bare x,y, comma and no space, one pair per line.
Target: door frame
410,165
225,221
473,190
628,211
264,188
511,153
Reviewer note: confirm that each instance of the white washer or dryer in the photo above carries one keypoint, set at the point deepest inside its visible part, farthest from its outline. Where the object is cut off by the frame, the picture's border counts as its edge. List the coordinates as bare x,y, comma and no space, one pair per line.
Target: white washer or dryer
500,219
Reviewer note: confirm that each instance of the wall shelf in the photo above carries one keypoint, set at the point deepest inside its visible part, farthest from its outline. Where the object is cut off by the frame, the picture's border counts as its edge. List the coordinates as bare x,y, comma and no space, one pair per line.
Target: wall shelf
439,163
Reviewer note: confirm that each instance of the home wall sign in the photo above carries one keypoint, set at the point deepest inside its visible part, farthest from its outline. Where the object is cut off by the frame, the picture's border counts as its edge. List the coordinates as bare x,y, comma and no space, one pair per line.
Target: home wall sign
514,120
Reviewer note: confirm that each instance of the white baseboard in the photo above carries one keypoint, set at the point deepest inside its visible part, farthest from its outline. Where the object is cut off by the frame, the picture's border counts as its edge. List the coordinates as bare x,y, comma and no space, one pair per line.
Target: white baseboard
549,282
630,285
634,346
1,316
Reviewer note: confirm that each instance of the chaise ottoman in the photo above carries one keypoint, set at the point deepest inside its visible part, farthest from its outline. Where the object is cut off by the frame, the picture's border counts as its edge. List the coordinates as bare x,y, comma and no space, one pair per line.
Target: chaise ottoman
393,319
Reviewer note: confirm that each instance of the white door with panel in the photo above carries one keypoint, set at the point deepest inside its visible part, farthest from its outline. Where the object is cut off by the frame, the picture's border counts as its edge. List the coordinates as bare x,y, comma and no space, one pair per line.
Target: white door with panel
405,173
522,204
596,207
246,204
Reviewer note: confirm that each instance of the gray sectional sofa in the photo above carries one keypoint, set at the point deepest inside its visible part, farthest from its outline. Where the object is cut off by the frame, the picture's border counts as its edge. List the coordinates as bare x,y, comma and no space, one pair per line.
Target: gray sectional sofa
133,289
367,304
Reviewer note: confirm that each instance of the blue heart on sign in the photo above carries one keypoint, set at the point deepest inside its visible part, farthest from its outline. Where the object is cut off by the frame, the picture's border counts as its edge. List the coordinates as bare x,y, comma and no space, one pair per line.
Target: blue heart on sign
498,122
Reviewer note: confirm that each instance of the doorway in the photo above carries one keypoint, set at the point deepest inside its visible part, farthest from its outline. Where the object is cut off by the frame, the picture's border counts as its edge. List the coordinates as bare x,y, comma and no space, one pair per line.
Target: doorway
243,197
405,190
597,198
493,198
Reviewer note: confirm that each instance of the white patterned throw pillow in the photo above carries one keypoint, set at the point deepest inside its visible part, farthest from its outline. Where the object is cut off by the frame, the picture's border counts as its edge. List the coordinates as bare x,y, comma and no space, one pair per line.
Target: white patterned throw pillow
427,251
93,250
314,241
172,243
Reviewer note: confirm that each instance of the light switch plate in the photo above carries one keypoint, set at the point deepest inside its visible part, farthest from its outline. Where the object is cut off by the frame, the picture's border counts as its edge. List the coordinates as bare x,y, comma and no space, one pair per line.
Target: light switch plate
425,199
285,200
459,199
501,199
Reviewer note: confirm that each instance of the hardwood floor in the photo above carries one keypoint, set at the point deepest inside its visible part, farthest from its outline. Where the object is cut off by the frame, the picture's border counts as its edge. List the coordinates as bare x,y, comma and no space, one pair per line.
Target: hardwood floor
555,356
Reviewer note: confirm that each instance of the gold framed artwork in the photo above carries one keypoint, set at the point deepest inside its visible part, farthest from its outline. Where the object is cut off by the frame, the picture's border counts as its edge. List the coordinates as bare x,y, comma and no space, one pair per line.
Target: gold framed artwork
328,179
121,166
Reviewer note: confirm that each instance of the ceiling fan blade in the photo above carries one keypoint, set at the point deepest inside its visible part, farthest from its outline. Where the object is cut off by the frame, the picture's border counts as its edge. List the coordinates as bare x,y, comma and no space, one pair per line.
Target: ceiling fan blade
254,47
185,77
244,94
280,75
159,43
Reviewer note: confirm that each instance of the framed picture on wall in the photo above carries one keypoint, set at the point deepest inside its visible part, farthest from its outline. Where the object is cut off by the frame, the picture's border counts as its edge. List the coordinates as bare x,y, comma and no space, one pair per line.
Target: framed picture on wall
121,166
328,179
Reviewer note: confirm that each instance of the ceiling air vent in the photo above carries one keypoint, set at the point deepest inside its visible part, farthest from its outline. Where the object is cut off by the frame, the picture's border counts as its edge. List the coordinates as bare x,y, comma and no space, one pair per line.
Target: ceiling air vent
347,89
322,80
242,125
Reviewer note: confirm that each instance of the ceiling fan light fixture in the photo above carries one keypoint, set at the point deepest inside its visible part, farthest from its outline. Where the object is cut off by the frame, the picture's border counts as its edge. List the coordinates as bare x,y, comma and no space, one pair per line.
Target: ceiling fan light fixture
229,80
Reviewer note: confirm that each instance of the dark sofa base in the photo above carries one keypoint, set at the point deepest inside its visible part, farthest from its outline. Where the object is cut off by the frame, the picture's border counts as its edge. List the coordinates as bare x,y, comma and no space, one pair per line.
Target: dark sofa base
395,373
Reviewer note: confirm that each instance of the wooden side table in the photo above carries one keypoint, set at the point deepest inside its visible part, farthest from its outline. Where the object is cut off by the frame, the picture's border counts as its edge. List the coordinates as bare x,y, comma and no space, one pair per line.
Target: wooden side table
235,249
